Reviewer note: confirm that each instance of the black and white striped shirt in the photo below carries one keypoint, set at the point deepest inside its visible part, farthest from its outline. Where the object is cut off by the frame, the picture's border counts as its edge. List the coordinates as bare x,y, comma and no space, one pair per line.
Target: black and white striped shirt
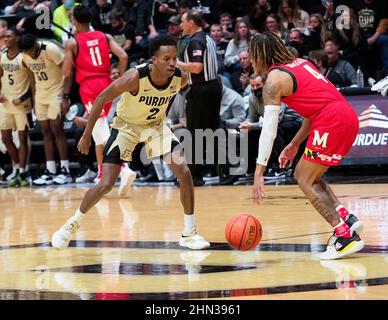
202,48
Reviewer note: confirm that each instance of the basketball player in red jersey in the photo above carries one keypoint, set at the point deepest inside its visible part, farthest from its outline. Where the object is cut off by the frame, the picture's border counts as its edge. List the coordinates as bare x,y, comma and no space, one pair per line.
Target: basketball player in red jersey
89,52
330,124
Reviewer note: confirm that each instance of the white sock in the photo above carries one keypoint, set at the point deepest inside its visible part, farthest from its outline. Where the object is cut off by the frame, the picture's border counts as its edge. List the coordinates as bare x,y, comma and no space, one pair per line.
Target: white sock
65,164
189,221
21,170
15,167
78,216
50,165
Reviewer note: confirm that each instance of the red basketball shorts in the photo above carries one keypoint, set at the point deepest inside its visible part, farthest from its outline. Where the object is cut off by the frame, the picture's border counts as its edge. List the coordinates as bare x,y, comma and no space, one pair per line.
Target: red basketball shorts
332,134
90,89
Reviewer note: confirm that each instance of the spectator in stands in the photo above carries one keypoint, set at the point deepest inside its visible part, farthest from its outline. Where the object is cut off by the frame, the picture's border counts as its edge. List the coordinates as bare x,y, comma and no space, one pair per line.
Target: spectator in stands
296,40
274,24
61,18
236,8
159,11
30,19
3,28
227,25
45,59
216,35
100,16
21,8
320,60
317,32
257,16
339,65
292,16
238,44
240,77
122,32
173,26
135,14
369,13
380,38
351,39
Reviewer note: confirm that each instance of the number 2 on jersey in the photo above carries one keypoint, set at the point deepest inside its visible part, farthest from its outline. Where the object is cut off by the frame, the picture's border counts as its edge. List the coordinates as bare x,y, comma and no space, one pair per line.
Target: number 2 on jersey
96,56
314,73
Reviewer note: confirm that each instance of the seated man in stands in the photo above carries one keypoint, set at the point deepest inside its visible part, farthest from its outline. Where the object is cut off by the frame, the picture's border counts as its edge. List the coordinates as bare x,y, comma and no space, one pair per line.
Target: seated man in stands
320,60
342,67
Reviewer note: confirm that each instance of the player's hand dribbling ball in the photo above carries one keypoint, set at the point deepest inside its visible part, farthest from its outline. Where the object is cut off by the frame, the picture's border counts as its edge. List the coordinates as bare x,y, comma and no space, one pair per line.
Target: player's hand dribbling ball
243,232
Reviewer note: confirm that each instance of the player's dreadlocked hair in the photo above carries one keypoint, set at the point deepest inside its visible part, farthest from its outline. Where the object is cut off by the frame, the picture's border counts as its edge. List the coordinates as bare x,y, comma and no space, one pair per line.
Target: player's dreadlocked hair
268,49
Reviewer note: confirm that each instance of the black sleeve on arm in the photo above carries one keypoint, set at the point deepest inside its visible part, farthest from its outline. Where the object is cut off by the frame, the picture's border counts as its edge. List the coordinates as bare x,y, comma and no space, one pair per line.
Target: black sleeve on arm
195,51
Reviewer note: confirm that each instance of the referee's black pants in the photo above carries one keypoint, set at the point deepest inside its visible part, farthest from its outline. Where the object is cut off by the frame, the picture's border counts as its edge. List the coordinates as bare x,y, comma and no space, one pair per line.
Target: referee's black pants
202,112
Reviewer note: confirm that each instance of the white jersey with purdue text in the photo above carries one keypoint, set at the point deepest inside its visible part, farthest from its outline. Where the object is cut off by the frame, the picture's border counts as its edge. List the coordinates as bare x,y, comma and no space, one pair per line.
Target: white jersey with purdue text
47,70
15,81
150,104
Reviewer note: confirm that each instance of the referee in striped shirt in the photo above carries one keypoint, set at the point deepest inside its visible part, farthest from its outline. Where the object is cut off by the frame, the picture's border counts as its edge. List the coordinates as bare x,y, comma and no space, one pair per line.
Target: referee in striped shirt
204,97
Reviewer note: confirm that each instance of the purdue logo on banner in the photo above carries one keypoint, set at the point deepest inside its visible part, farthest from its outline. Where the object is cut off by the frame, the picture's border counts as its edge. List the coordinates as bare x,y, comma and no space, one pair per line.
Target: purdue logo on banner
374,118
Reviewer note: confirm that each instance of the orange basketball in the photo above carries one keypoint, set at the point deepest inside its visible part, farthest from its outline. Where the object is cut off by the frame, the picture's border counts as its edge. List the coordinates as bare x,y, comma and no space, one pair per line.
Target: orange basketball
243,232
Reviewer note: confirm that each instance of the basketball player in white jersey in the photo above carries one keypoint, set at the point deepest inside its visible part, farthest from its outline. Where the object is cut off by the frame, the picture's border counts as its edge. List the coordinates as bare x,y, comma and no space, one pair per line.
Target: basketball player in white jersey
44,59
15,104
147,91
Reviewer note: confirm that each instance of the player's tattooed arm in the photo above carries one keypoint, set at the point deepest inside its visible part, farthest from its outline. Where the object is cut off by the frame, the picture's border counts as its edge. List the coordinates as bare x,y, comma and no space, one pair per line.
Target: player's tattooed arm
279,84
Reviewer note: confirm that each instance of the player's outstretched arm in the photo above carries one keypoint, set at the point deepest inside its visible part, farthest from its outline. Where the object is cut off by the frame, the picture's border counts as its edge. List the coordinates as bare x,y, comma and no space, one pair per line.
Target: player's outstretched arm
119,52
277,85
128,82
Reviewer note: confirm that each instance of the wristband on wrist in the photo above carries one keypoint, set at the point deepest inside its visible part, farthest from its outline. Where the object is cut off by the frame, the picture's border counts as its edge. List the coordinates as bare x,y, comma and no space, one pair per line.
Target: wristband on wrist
66,96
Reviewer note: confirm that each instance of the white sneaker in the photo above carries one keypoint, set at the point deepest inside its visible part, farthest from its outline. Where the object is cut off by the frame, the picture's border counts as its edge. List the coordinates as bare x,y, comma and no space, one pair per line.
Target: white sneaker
127,176
61,238
339,247
45,179
12,175
193,241
88,176
63,177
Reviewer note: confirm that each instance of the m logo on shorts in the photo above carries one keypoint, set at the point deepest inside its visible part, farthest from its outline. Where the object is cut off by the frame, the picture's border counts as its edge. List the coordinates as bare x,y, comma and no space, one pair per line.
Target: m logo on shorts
320,141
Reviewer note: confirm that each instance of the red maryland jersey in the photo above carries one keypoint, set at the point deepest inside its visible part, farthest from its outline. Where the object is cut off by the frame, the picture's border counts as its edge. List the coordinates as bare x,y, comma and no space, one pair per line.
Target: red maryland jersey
312,90
93,56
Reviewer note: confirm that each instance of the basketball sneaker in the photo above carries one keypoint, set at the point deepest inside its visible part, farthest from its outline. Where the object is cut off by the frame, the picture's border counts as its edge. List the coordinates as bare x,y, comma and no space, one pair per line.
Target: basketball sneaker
63,177
61,238
98,177
88,176
21,180
354,224
193,241
127,176
45,179
339,247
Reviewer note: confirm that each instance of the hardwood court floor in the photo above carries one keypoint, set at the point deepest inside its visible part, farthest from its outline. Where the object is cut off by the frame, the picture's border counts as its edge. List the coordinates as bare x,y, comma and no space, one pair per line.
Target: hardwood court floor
127,248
